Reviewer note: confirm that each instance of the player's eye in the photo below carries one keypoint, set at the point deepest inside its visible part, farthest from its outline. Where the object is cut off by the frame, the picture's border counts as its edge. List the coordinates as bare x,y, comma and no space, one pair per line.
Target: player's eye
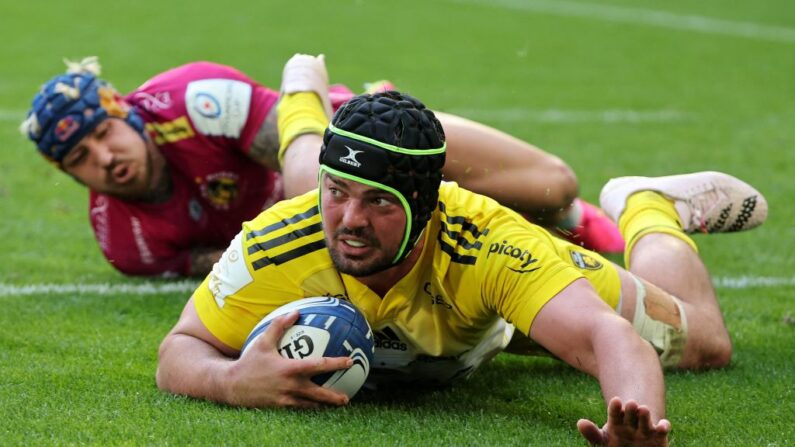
76,156
383,201
103,129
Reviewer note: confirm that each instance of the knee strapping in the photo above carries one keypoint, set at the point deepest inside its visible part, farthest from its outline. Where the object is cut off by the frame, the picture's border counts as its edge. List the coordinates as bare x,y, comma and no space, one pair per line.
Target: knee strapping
660,319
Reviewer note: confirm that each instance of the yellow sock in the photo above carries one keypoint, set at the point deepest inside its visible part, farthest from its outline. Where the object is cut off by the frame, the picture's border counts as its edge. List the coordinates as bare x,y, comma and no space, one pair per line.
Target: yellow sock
650,212
299,113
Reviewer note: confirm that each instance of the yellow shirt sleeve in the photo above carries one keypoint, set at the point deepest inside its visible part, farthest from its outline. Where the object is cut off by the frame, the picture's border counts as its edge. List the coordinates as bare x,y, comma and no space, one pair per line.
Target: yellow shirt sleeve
234,297
522,271
246,284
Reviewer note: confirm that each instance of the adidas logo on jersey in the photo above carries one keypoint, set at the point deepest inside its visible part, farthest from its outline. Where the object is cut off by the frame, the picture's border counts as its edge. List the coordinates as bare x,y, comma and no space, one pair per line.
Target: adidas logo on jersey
386,338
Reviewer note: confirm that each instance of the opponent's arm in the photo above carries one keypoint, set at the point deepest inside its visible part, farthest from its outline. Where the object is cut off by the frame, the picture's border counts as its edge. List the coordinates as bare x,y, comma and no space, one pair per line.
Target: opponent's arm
479,158
193,362
303,109
203,259
265,147
579,328
300,158
513,172
301,165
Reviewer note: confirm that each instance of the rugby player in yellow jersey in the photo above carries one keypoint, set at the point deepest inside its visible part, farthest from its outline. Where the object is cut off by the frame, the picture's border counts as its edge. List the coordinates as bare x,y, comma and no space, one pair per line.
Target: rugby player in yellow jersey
448,278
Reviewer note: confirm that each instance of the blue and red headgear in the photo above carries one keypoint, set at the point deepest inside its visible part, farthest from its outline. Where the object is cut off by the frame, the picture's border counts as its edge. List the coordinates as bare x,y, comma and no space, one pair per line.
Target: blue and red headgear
70,106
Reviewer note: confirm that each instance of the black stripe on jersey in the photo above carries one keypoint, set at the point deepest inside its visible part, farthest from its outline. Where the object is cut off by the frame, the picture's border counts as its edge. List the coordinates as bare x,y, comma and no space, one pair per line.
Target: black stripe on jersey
290,255
461,241
455,257
283,239
460,220
284,222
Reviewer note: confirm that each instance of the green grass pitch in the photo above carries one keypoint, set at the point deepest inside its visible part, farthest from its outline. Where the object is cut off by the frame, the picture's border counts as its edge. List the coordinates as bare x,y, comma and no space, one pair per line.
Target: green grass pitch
614,87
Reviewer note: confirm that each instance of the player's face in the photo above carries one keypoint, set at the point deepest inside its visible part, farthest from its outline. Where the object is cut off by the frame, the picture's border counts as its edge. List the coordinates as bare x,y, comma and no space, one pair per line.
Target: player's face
363,225
114,159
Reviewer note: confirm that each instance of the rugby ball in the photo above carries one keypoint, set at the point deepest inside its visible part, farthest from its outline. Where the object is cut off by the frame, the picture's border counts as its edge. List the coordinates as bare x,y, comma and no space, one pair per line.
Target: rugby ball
327,327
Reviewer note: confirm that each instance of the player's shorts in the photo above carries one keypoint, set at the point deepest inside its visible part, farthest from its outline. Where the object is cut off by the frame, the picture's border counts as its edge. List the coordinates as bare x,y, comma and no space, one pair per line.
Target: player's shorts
446,370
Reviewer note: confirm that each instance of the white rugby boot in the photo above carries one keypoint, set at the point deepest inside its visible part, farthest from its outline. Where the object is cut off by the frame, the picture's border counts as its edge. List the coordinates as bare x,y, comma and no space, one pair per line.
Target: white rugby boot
707,202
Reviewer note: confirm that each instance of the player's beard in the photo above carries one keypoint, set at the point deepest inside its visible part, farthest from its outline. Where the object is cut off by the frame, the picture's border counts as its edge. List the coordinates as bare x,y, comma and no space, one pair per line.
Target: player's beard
358,268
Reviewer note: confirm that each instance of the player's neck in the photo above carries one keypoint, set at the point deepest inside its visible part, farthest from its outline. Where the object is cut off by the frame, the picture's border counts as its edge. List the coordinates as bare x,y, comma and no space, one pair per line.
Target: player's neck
162,185
163,188
383,281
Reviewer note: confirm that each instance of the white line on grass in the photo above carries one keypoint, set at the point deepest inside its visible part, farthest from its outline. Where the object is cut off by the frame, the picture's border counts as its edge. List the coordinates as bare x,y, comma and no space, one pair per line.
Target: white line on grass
188,286
556,116
747,282
104,289
641,16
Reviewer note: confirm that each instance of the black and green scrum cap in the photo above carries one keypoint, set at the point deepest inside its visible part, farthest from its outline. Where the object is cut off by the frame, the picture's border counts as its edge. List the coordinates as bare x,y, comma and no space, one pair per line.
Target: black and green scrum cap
389,141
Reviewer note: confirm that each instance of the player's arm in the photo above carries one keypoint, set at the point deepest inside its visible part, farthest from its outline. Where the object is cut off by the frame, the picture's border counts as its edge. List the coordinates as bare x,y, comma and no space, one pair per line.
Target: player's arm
513,172
202,260
303,113
299,164
579,328
304,108
265,147
479,158
300,158
193,362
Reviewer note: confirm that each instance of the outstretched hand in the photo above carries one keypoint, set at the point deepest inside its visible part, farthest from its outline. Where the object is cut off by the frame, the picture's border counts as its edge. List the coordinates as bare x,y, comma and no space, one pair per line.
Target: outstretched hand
263,378
306,73
627,424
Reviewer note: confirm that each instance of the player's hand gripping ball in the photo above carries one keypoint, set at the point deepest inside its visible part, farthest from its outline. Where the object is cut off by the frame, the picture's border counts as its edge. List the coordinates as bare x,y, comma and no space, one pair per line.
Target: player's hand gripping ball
327,327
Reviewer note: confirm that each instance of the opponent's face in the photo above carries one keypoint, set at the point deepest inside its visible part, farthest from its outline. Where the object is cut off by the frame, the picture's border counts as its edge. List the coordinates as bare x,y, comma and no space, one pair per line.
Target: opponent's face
114,159
363,225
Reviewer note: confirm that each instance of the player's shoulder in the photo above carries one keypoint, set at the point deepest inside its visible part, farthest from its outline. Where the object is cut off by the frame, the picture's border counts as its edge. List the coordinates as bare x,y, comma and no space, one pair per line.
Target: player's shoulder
470,224
462,221
110,211
296,211
290,231
194,71
457,204
136,239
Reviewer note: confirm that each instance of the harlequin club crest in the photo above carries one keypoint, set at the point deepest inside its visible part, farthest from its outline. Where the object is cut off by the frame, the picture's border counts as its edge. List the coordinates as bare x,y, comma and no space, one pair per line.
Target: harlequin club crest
220,189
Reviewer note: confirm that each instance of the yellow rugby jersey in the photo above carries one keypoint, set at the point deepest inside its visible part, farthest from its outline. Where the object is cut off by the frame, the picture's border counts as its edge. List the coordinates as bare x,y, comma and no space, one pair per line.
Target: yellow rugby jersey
482,265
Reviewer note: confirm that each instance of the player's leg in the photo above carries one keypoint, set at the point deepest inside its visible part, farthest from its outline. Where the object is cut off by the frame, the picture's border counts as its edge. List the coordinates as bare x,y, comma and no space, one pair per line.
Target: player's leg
526,179
519,175
523,177
655,216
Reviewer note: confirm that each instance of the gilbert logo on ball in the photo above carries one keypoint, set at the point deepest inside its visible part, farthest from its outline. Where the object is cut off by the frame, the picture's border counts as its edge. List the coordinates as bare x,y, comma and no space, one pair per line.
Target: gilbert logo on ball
327,327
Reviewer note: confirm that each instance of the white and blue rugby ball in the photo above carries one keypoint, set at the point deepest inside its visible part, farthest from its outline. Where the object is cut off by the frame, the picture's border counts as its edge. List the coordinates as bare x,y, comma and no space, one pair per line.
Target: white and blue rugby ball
327,327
